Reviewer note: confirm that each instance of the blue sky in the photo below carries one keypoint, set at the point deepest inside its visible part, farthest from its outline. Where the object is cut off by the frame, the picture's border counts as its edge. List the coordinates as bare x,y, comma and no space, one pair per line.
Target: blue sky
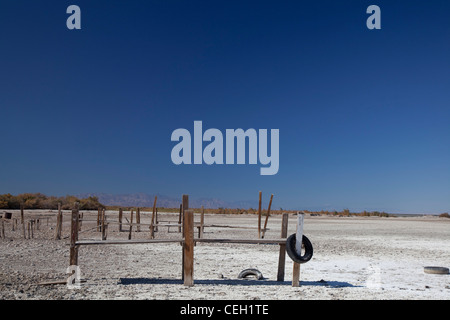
363,114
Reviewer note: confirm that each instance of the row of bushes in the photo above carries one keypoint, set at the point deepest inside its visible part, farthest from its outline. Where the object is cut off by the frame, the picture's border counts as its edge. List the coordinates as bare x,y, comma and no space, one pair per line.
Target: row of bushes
41,201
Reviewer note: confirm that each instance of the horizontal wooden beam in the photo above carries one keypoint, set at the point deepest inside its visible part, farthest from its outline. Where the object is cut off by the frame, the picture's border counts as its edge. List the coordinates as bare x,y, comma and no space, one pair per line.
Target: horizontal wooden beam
133,241
143,241
243,241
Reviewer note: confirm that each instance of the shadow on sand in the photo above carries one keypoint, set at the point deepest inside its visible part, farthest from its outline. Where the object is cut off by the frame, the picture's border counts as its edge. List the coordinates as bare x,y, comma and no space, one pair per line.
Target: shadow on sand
234,282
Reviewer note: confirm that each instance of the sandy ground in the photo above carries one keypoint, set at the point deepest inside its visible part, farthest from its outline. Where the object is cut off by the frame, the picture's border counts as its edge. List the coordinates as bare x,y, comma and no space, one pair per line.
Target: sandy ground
354,258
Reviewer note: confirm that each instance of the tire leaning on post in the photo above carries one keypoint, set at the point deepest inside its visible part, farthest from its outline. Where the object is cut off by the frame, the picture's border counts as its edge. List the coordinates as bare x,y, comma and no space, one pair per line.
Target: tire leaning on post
290,249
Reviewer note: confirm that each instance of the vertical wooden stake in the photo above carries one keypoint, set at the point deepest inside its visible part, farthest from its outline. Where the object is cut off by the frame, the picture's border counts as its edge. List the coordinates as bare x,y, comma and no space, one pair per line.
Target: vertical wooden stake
98,218
120,219
58,223
188,248
259,215
3,229
103,224
22,220
74,237
131,225
185,206
298,249
80,221
202,223
179,217
152,223
282,254
138,219
267,216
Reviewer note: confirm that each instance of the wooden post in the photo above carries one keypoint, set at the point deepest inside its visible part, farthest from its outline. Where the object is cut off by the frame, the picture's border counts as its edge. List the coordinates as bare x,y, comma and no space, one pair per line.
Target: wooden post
298,249
202,223
120,219
267,216
185,206
74,237
156,219
152,223
58,223
80,221
22,220
282,254
103,224
188,248
138,219
3,229
259,216
131,225
98,218
179,217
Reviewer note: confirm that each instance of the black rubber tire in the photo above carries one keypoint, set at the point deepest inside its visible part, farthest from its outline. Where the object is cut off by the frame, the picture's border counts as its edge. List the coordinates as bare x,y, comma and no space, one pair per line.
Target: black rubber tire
436,270
251,272
290,249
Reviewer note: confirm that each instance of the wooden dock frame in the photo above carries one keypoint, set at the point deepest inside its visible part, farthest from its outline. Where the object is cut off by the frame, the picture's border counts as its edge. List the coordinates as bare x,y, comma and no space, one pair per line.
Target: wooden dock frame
188,243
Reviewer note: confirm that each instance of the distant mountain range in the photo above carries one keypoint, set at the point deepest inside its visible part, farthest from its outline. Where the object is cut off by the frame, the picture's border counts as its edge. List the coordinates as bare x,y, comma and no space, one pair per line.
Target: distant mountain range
146,200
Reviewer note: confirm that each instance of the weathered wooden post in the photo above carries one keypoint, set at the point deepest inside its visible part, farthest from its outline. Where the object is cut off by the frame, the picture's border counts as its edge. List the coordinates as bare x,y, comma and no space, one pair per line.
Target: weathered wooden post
131,225
3,229
202,222
298,249
179,217
259,215
152,223
58,223
99,213
80,220
74,237
188,248
22,220
120,219
103,224
185,206
282,254
267,216
138,219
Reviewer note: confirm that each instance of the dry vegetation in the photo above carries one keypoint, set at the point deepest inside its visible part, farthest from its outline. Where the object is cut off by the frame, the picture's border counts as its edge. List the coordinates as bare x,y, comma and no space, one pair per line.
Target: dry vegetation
41,201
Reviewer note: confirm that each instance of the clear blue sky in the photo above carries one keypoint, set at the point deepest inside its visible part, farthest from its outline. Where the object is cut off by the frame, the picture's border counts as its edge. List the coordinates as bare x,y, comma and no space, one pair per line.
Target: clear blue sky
363,114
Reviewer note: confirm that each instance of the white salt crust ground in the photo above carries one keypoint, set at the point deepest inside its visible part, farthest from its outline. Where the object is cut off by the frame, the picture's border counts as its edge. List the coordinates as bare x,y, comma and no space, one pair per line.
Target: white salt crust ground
354,258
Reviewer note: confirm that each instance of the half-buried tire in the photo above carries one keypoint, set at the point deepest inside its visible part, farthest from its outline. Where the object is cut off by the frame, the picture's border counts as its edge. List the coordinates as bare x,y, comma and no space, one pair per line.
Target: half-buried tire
290,249
251,272
436,270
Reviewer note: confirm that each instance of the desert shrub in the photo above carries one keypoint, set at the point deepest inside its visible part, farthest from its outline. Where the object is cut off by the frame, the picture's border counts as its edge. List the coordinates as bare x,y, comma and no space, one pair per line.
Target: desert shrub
444,215
41,201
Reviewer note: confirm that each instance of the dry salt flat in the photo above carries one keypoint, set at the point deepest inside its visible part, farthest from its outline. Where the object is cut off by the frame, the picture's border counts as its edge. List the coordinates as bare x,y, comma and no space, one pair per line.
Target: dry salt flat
355,258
